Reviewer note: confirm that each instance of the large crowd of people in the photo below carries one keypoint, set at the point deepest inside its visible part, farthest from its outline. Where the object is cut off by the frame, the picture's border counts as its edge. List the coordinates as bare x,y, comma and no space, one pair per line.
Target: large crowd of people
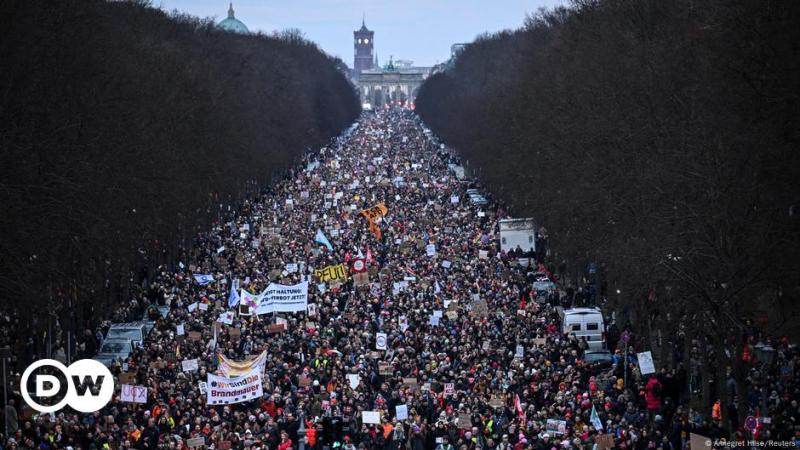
474,359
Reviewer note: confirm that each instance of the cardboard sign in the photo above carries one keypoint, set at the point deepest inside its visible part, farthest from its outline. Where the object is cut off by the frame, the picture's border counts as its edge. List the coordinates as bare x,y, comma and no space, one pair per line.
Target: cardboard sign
699,442
496,402
480,307
361,279
195,335
384,368
464,421
196,442
276,328
606,441
127,378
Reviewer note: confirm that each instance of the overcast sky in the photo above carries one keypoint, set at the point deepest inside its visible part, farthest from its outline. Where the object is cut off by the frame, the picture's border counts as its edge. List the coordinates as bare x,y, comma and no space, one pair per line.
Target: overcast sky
417,30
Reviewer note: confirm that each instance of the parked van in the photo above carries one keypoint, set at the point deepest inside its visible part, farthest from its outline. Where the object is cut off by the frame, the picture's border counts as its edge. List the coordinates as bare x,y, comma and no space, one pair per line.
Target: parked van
584,322
130,331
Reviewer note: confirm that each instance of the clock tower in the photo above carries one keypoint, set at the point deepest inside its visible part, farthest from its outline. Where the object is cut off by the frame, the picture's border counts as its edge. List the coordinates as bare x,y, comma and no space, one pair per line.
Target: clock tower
363,45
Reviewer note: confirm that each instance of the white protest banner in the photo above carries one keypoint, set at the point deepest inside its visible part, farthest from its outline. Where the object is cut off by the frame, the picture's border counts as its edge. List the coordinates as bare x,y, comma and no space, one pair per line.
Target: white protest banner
483,254
133,394
189,365
434,321
226,318
555,426
203,386
520,353
280,298
203,306
292,268
179,330
192,307
371,417
449,388
454,199
438,313
354,379
646,365
430,249
446,264
380,341
401,412
225,391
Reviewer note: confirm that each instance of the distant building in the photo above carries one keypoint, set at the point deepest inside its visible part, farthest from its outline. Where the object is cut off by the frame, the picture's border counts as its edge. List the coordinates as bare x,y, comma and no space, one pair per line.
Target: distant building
233,24
363,44
395,83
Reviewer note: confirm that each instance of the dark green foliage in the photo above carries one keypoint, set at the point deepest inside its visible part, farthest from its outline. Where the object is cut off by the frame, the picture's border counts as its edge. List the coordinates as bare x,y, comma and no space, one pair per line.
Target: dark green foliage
124,132
656,138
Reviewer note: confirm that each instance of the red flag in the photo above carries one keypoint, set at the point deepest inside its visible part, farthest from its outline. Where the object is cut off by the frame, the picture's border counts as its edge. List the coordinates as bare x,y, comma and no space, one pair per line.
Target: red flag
522,302
370,258
520,411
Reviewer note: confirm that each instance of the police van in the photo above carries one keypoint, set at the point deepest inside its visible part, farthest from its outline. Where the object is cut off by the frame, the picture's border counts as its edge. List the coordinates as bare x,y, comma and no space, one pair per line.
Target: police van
584,323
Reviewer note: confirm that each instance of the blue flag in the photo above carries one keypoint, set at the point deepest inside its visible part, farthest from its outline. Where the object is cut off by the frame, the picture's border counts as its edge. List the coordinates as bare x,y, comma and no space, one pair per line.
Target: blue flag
595,419
322,239
202,280
233,299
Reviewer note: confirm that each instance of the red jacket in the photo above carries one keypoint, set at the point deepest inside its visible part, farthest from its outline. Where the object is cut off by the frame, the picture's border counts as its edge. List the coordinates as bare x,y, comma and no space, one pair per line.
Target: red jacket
653,400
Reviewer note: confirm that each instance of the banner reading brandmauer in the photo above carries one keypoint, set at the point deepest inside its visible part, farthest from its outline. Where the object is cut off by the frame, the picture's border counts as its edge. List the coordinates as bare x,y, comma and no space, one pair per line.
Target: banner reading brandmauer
280,298
226,391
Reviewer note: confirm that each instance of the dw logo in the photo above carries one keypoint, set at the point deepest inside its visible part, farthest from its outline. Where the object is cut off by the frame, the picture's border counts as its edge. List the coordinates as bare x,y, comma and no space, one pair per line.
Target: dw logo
89,385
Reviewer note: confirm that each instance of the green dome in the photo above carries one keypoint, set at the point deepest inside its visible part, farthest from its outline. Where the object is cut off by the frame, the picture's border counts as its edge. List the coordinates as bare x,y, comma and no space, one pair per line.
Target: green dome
233,24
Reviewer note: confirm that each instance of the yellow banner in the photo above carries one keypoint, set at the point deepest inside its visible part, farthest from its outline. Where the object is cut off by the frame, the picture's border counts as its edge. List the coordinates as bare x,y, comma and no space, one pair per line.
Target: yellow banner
337,272
230,368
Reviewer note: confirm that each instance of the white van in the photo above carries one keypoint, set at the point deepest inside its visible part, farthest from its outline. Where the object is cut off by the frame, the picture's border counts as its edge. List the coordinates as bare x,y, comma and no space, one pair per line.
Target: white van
584,322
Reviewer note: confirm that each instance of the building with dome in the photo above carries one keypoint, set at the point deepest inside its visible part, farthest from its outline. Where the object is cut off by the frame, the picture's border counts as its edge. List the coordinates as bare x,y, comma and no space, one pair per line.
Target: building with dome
233,24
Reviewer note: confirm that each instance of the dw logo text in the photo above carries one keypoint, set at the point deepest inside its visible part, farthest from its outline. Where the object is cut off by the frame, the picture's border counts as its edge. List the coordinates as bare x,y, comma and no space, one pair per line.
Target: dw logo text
90,385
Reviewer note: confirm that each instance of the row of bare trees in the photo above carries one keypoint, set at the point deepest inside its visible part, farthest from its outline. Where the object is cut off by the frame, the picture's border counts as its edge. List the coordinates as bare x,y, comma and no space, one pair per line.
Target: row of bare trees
658,140
126,130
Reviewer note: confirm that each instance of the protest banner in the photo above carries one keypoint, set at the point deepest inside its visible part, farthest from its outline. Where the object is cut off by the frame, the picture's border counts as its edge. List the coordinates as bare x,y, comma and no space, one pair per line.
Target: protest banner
231,368
226,391
449,388
401,412
133,394
189,365
606,441
353,379
361,279
194,335
282,298
464,421
555,426
373,417
333,272
646,365
699,442
380,341
196,442
127,377
385,368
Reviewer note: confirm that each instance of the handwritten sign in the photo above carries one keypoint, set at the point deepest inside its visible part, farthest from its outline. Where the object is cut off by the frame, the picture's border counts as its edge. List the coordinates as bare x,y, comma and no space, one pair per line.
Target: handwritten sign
133,394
